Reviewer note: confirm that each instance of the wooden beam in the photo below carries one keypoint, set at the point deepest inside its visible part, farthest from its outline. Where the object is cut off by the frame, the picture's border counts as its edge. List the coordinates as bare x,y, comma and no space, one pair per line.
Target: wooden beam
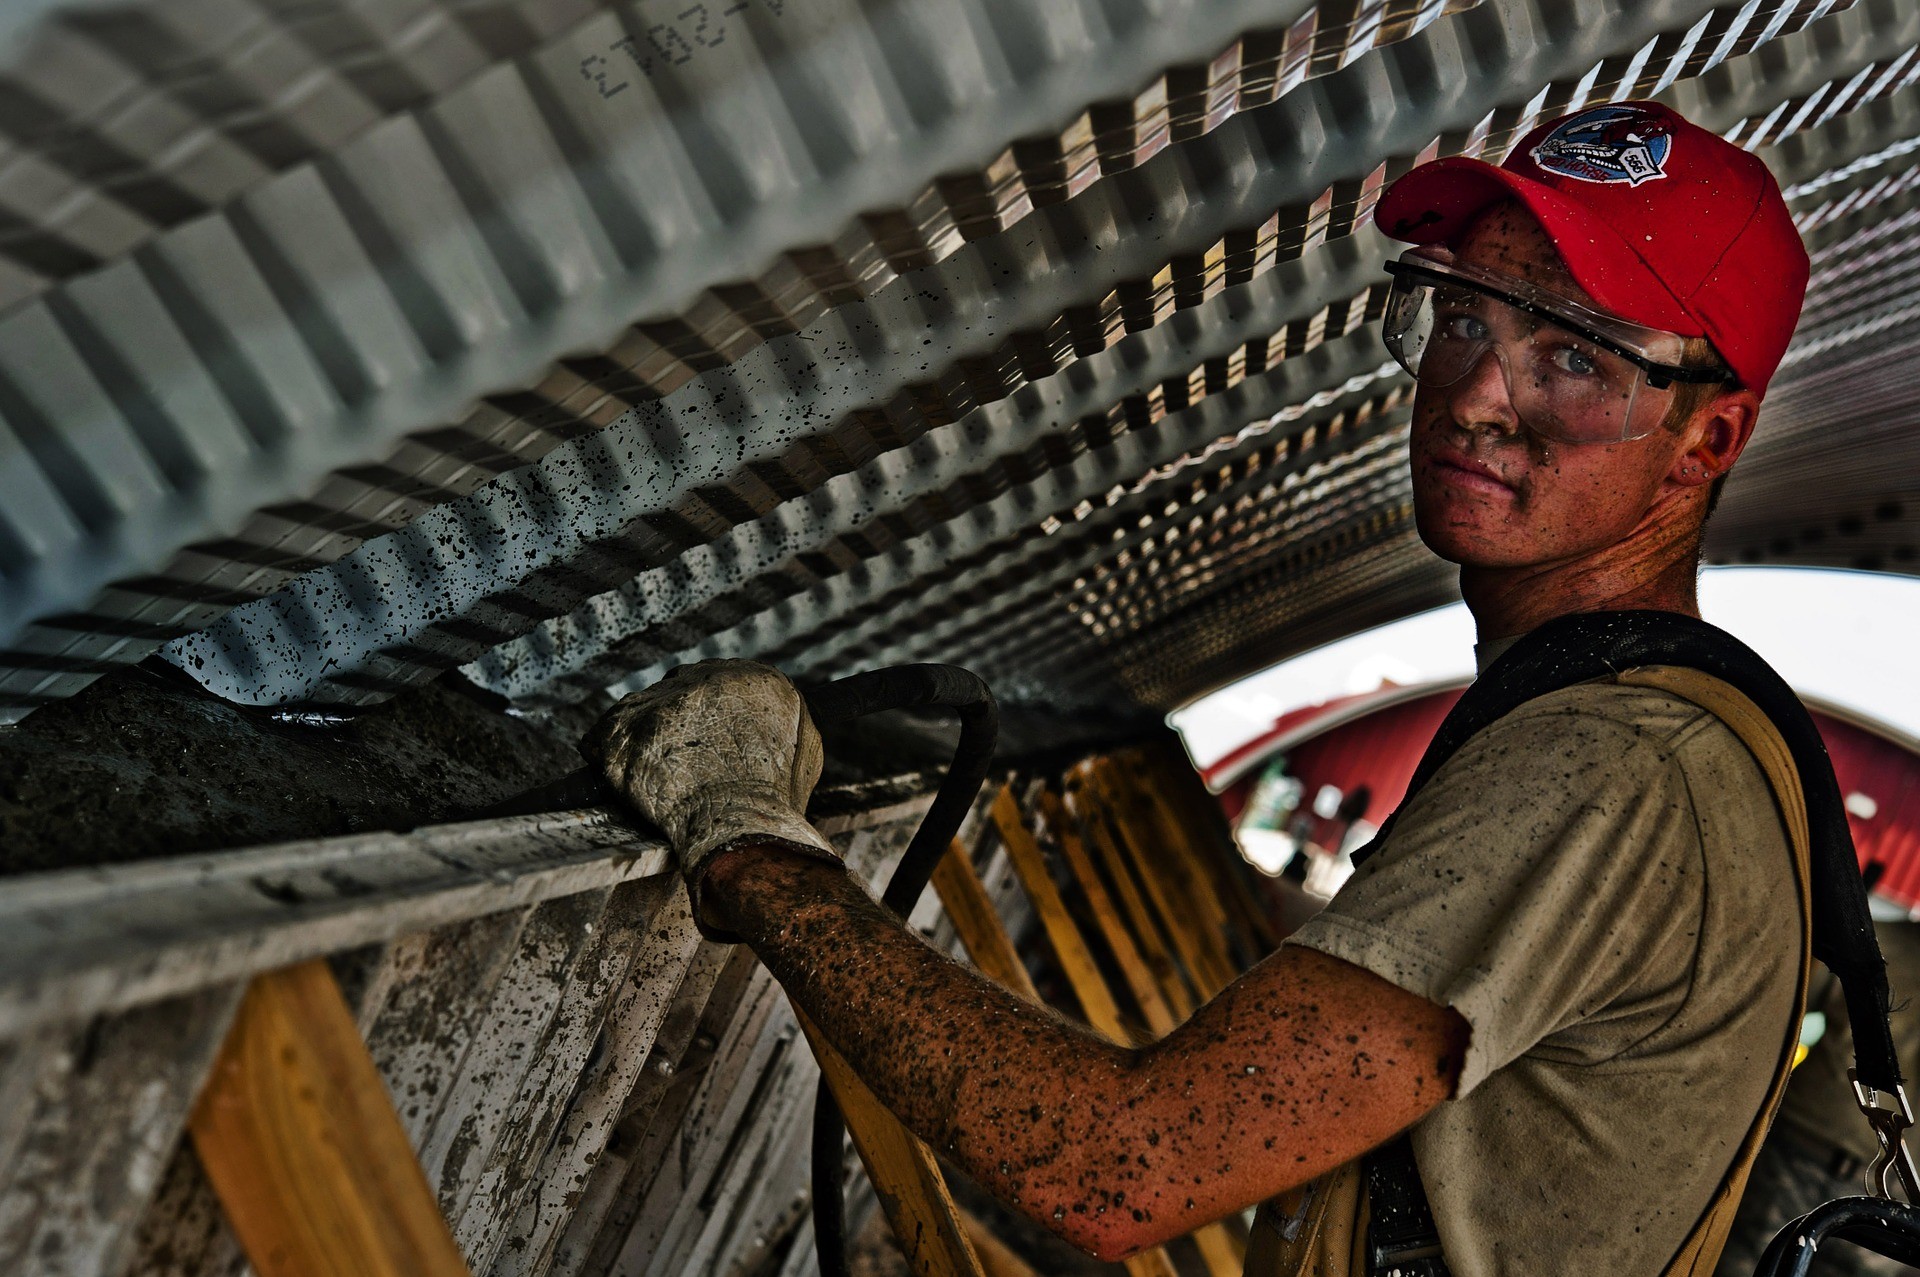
1145,785
1090,986
974,919
1200,863
1153,945
905,1177
984,935
1220,1249
1140,977
300,1140
1163,855
997,1259
1167,851
1063,933
1176,915
1198,811
78,942
1151,1263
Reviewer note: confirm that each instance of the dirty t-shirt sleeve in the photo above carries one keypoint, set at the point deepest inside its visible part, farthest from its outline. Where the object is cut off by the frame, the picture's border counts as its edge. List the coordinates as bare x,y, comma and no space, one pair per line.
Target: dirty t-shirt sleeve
1529,884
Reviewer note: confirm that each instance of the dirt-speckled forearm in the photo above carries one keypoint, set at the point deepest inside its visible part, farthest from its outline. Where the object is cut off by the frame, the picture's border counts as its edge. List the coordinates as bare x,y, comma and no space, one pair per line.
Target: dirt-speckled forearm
1299,1066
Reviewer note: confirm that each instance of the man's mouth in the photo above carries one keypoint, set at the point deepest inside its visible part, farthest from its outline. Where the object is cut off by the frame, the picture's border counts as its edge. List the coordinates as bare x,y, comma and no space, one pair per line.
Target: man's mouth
1469,475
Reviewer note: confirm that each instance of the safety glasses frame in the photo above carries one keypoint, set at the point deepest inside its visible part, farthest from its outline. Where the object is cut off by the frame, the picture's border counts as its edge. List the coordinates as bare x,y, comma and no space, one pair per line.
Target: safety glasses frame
1606,331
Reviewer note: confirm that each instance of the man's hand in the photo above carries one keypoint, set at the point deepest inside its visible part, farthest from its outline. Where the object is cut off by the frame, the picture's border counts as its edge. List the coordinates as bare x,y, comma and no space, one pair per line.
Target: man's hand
718,755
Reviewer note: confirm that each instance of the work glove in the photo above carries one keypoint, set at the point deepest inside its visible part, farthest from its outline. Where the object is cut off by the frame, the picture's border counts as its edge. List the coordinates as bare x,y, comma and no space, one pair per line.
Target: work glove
718,755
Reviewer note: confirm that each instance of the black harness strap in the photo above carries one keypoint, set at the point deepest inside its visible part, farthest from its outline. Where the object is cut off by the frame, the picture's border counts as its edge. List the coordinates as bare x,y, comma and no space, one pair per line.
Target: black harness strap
1578,649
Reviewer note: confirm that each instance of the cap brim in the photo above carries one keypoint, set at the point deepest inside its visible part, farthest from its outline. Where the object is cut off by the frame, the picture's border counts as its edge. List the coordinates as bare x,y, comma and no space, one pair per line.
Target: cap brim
1433,204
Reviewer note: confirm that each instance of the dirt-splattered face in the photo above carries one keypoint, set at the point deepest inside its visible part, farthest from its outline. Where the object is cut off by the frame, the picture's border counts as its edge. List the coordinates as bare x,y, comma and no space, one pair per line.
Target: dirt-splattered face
1490,493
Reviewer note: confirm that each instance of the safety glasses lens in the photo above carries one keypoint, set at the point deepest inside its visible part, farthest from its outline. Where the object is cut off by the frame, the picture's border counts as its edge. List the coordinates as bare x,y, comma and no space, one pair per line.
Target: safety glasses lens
1562,383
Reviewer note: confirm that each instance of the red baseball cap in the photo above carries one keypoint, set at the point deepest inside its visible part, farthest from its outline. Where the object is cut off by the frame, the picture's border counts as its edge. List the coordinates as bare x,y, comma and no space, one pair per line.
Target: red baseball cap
1663,222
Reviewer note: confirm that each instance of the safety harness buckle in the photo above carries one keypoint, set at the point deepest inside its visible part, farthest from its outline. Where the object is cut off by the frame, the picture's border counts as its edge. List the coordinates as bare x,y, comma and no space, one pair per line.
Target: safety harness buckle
1889,1114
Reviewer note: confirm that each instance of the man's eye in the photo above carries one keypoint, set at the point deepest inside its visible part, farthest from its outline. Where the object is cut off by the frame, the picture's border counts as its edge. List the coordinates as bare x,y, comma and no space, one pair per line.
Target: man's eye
1462,328
1577,362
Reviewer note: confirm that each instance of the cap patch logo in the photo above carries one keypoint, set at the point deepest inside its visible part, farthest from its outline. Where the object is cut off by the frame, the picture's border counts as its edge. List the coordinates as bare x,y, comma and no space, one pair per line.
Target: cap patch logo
1607,144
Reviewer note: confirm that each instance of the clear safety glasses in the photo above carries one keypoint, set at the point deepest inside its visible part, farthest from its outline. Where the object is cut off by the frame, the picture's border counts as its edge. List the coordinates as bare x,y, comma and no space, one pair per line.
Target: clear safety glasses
1573,374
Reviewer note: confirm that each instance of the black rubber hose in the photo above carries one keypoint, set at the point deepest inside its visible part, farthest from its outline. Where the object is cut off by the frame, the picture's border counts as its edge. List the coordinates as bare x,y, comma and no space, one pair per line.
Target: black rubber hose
922,687
898,687
831,705
1890,1229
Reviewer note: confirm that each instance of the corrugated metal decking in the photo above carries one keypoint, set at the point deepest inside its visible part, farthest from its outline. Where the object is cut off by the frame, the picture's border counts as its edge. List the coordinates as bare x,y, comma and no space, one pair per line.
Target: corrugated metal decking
262,388
1102,418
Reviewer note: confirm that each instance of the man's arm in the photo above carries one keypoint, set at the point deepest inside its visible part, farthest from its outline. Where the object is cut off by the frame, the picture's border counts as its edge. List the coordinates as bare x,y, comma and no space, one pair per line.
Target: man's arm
1300,1065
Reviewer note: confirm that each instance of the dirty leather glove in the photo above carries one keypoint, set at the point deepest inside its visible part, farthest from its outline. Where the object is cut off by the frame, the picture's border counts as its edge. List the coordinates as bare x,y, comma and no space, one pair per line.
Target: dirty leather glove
716,754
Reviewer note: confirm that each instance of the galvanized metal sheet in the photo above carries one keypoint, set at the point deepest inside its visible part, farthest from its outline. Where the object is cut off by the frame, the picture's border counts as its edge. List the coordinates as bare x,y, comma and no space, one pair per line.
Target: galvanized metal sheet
949,470
618,173
369,634
849,475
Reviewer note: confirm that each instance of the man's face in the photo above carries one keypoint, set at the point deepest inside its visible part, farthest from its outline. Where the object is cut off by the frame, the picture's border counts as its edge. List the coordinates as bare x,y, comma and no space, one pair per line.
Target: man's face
1490,493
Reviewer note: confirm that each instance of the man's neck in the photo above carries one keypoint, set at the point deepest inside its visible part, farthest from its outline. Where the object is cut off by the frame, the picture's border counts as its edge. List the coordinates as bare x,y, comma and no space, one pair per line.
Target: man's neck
1510,601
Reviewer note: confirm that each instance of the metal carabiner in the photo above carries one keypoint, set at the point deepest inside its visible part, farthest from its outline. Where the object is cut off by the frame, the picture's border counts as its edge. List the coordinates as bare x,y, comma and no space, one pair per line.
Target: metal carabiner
1889,1114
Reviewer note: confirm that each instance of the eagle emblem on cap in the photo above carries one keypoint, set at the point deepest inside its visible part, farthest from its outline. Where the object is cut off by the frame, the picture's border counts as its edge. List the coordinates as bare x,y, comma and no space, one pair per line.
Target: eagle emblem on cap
1607,144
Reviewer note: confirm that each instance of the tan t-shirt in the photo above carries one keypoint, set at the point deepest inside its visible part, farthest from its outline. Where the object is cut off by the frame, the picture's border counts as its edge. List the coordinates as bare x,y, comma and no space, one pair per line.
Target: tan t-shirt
1601,885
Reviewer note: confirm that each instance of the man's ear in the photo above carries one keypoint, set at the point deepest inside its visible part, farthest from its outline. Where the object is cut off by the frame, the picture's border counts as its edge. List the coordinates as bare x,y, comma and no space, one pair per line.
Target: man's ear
1715,436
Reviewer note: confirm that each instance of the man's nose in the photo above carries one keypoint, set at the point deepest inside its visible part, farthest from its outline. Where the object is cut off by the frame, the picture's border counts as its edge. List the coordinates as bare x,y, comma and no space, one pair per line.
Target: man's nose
1482,399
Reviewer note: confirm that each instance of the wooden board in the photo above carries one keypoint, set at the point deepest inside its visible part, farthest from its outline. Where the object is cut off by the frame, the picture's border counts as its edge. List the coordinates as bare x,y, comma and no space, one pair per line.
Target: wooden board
1174,983
766,1183
31,1066
184,1233
1173,913
83,941
559,1064
297,1134
518,1040
110,1101
480,1096
1170,847
1192,916
758,1061
708,996
996,1258
681,1156
981,931
1184,796
1223,1252
432,995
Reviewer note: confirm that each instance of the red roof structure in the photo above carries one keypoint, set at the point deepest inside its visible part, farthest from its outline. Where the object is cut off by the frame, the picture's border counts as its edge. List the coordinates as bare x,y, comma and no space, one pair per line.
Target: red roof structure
1376,739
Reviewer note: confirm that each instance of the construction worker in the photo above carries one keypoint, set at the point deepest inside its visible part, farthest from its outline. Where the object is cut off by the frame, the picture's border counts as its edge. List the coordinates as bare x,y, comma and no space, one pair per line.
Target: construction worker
1570,969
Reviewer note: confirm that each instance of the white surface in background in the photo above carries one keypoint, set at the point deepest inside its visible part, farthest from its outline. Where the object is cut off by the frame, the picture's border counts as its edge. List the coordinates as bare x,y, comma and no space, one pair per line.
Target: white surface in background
1844,637
1420,649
